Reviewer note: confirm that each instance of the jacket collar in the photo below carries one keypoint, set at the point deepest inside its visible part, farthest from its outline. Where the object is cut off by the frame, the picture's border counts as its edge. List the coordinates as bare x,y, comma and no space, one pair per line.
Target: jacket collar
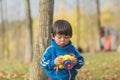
68,46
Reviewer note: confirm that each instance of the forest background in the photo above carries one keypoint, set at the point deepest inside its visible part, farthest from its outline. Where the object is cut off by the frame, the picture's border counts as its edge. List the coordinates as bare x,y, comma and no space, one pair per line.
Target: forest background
13,16
13,30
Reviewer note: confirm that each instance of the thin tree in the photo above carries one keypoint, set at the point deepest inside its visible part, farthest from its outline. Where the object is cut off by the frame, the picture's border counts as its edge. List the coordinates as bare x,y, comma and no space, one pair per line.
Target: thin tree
98,13
29,48
98,20
78,23
7,30
45,22
3,30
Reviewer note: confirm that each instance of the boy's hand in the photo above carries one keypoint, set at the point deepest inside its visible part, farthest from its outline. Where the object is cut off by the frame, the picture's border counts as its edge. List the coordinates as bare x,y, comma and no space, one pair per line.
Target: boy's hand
75,59
58,61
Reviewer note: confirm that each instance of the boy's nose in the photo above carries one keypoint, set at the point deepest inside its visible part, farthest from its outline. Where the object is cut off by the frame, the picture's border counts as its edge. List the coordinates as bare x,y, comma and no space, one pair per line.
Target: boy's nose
62,39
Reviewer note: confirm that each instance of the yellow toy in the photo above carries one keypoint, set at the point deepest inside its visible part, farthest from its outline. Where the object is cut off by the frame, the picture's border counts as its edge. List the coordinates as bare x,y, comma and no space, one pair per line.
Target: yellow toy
67,62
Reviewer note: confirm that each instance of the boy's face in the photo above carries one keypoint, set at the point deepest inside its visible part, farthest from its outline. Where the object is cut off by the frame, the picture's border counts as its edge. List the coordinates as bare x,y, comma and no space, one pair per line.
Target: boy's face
61,40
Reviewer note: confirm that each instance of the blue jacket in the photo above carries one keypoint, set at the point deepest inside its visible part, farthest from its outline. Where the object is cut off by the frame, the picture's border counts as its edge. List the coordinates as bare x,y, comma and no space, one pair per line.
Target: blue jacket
47,61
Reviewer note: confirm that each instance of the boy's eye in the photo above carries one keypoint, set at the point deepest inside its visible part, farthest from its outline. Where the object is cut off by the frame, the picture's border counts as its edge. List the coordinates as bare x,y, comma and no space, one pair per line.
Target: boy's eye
62,36
59,37
66,37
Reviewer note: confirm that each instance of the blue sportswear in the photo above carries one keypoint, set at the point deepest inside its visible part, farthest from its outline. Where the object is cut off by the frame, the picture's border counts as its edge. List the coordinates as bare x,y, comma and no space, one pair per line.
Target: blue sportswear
47,61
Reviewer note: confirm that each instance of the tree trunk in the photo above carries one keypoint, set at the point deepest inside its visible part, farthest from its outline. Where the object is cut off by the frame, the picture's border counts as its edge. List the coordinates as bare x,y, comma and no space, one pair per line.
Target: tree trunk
45,22
29,48
98,13
78,23
3,31
99,22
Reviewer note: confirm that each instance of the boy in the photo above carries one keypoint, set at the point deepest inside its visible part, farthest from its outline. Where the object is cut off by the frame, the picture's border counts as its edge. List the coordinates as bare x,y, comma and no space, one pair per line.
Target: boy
61,45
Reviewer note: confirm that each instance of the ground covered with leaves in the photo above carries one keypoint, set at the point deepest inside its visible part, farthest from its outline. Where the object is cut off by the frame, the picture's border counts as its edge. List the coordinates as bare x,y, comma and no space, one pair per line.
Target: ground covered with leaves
101,66
98,66
13,70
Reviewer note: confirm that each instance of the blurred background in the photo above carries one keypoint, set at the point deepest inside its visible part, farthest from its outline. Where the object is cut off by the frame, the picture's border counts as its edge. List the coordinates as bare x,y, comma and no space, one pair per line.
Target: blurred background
13,25
85,17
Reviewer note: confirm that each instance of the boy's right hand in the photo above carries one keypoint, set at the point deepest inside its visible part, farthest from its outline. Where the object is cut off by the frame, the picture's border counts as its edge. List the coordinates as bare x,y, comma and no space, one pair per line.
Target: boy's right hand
58,61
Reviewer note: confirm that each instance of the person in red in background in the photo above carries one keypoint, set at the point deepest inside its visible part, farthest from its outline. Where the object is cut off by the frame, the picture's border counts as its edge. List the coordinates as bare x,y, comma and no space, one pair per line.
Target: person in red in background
108,38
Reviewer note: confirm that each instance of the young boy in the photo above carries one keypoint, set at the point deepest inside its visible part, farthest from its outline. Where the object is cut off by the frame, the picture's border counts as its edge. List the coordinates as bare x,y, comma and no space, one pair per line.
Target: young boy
61,45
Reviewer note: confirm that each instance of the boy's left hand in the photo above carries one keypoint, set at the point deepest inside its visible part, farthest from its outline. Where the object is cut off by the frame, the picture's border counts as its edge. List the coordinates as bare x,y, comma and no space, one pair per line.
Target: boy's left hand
75,59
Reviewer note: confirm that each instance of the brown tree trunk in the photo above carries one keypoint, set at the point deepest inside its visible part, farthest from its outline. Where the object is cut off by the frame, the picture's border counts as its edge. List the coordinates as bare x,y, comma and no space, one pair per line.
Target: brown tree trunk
45,22
29,48
78,23
99,22
3,31
98,13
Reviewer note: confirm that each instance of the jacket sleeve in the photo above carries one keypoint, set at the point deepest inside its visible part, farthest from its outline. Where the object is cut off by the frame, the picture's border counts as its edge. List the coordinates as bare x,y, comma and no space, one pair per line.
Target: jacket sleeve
46,61
80,60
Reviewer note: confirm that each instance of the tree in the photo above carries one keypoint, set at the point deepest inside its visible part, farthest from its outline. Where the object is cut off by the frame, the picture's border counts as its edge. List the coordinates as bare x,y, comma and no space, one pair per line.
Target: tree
98,13
3,30
78,22
98,19
45,21
29,48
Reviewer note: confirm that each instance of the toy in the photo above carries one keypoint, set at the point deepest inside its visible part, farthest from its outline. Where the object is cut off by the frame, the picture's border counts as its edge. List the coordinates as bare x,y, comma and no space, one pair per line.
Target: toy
67,62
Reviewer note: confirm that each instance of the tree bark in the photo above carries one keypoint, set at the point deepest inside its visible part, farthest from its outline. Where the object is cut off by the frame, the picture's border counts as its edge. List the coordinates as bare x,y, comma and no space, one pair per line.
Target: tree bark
99,21
29,46
45,22
98,13
3,31
78,23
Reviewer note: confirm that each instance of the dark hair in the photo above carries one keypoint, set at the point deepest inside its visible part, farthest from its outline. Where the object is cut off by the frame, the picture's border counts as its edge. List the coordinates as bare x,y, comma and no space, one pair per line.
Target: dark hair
101,31
61,27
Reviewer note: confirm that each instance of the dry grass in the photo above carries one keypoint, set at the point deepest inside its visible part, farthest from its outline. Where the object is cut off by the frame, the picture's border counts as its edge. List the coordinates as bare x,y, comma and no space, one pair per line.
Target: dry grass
98,66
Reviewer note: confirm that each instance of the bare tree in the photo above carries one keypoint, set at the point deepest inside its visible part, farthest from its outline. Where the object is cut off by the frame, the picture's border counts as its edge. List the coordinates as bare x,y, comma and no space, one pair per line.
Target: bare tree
98,13
98,19
78,22
7,41
3,30
29,48
45,21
